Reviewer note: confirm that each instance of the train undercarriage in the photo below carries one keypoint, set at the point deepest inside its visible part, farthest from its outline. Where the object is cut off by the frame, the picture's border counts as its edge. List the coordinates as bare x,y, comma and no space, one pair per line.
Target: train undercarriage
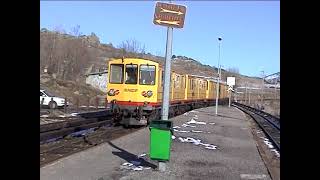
142,115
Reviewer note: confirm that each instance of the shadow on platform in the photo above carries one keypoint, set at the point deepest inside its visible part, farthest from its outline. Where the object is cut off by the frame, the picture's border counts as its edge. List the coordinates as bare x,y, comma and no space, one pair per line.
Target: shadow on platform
123,154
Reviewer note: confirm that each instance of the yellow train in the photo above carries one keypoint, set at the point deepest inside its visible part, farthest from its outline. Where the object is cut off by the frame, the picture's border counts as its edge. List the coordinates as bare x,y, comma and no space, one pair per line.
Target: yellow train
135,89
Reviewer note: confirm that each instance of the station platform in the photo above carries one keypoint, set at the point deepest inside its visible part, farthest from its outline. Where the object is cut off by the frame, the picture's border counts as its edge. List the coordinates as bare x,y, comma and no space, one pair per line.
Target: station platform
204,146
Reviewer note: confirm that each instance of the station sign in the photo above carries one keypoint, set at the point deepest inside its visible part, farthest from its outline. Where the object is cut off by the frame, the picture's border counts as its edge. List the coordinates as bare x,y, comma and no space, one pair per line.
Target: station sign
231,81
171,15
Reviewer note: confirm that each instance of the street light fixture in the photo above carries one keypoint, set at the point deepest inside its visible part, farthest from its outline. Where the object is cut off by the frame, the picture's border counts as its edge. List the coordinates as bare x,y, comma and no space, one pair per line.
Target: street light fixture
219,76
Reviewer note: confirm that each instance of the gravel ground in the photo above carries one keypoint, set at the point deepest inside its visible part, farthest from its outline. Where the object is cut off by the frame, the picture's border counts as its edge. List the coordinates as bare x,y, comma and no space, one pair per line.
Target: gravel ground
235,156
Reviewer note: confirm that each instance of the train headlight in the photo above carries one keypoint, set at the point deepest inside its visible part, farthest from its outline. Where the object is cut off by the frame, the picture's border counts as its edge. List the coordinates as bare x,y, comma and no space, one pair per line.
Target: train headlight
113,92
144,94
149,93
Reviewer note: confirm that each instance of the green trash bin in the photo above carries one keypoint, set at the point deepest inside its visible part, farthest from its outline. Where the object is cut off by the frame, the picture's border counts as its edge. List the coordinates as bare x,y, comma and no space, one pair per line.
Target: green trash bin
160,140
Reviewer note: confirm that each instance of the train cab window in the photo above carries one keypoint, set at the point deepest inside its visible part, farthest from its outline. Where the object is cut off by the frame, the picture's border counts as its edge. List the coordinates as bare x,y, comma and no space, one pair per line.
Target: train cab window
147,74
131,73
116,73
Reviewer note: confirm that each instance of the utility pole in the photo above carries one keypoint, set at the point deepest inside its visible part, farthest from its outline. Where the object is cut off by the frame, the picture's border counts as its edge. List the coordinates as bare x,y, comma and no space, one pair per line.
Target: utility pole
166,85
262,88
246,95
219,76
249,96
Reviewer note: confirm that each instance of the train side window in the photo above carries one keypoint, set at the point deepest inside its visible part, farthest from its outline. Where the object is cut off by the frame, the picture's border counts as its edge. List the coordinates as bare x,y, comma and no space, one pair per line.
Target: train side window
131,73
162,78
176,82
192,84
116,73
183,82
147,74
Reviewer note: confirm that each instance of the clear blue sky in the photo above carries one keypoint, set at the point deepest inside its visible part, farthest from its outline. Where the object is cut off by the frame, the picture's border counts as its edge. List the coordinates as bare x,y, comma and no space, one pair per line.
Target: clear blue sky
250,29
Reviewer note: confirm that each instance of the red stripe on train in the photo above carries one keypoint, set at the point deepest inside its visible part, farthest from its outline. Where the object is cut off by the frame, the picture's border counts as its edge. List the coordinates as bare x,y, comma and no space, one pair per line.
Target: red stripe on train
127,103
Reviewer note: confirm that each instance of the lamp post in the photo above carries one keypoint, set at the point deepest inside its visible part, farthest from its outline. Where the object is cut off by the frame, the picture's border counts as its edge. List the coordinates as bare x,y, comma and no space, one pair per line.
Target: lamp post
219,76
249,96
262,88
245,95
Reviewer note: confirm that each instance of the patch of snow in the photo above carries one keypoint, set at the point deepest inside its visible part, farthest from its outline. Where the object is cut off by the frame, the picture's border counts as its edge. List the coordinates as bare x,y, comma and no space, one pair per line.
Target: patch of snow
192,121
196,131
276,152
197,142
127,164
141,155
139,168
187,125
74,114
269,144
183,131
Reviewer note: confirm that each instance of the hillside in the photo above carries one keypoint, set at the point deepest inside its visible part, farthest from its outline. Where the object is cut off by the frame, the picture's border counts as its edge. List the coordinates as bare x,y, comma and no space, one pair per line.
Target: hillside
70,57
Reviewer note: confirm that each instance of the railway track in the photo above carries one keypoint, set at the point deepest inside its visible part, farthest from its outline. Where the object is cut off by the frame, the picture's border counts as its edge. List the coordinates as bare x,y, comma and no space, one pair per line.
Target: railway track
63,138
82,122
53,151
268,123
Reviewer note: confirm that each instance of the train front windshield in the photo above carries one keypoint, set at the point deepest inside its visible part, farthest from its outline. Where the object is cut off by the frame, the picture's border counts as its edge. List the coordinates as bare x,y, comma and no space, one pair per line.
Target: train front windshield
147,74
116,73
131,73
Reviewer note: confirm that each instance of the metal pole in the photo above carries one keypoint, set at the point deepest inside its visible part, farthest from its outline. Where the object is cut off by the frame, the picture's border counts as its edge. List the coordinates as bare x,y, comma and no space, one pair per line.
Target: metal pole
236,95
249,96
262,88
217,94
229,98
245,95
166,85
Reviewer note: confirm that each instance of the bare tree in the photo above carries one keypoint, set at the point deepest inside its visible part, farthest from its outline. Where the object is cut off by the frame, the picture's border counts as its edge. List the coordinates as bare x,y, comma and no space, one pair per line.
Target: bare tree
66,57
131,48
75,31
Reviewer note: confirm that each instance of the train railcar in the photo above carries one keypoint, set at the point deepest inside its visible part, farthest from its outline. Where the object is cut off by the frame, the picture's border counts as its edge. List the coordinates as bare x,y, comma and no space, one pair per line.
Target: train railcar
132,89
135,88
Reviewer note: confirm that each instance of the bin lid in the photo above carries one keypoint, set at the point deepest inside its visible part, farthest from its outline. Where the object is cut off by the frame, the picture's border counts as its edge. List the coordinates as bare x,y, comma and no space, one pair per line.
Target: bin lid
161,124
